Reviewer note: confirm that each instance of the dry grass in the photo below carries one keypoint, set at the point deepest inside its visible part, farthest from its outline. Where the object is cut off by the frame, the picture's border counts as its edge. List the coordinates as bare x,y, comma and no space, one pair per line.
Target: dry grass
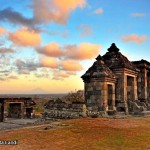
84,134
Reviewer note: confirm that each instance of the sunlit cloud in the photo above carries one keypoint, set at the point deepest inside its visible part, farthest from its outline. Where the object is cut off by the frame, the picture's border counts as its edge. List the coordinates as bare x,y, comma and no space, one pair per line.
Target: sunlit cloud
55,10
71,65
48,62
60,74
25,37
98,11
85,30
135,38
52,50
2,30
13,77
83,51
138,14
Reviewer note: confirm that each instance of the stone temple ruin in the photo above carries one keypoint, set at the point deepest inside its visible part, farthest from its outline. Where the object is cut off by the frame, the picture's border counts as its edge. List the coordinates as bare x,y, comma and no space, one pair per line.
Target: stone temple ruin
115,84
18,107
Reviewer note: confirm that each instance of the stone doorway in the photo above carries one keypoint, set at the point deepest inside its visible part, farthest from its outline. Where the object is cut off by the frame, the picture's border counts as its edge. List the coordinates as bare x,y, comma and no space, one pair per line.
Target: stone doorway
1,111
110,97
14,110
28,112
130,88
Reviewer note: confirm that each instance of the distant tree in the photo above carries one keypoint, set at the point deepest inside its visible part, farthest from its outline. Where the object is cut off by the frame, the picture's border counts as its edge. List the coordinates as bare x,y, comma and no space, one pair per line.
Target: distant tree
58,100
77,96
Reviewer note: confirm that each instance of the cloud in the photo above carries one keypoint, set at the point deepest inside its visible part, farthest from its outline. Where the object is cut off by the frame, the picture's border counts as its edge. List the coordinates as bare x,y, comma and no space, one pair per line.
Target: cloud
2,31
52,50
85,30
71,65
14,17
134,38
61,74
55,10
25,67
2,79
43,12
138,14
6,50
64,33
98,11
41,75
83,51
13,77
25,37
48,62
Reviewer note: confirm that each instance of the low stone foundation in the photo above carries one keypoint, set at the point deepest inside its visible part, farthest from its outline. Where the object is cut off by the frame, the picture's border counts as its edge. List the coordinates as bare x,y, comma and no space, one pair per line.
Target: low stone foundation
63,110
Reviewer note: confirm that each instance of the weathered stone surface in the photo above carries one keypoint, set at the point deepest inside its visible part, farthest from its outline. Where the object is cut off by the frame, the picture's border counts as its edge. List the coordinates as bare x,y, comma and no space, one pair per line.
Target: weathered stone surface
63,110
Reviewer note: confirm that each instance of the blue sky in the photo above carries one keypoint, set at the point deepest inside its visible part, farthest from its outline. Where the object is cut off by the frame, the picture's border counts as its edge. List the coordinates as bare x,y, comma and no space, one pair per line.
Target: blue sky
52,42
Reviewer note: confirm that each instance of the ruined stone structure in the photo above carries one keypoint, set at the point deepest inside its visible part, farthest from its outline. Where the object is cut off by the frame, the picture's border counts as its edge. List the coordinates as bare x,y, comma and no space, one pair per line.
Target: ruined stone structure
113,83
15,107
62,110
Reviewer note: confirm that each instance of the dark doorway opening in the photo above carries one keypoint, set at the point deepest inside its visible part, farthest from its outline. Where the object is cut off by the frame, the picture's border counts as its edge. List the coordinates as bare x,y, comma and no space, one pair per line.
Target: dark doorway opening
110,92
1,111
28,112
14,110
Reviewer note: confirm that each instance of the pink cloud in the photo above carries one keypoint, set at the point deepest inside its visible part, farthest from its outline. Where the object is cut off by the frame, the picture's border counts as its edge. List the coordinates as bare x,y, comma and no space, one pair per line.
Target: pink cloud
49,62
83,51
60,74
25,37
135,38
98,11
55,10
2,31
52,50
71,65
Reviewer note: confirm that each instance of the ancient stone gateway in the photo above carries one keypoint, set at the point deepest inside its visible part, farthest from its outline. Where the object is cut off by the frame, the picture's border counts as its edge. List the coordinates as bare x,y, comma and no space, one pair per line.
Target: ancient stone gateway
113,83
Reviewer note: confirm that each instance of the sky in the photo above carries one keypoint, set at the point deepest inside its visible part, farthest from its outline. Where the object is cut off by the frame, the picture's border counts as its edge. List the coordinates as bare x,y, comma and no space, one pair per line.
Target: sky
47,45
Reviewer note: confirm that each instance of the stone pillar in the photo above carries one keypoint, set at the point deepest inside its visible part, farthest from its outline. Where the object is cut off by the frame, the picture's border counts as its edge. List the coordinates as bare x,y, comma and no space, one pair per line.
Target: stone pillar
113,97
124,89
135,88
105,96
144,84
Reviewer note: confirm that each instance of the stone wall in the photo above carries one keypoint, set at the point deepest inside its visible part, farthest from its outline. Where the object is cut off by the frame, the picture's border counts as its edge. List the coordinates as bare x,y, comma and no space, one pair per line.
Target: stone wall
94,93
61,110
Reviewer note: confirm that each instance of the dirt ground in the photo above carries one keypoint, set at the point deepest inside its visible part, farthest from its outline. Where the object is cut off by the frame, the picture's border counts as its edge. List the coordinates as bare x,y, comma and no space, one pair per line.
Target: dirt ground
82,134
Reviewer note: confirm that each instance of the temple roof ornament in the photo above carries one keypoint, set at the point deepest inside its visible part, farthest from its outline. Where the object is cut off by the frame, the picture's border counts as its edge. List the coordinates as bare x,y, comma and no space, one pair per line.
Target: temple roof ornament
113,48
99,70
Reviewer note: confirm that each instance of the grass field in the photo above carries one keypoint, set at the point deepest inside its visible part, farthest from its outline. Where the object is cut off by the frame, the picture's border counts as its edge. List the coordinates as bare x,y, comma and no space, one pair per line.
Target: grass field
83,134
